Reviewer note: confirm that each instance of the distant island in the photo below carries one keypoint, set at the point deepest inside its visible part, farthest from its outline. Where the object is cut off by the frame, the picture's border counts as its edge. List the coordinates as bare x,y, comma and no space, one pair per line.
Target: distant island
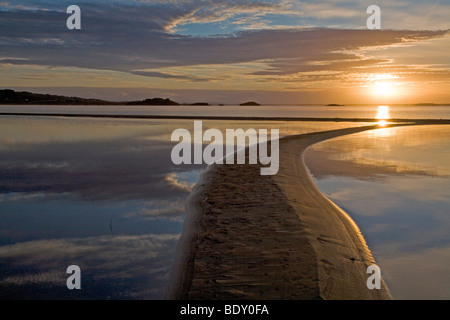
250,103
8,96
425,104
12,97
153,102
198,104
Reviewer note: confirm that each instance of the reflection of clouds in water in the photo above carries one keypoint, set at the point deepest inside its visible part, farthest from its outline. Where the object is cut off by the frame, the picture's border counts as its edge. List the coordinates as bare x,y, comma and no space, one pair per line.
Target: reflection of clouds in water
25,131
143,261
161,209
47,253
403,193
175,181
164,209
405,151
54,278
111,160
426,189
364,197
400,215
405,221
323,164
396,188
83,162
22,197
422,275
119,169
35,165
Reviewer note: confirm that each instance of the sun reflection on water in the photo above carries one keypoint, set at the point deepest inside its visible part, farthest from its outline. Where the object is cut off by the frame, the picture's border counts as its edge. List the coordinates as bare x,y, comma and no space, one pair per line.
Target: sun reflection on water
383,115
382,123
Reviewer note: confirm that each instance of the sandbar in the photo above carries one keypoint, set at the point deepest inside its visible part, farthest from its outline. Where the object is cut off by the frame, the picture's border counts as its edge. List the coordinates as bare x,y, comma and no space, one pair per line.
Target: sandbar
252,237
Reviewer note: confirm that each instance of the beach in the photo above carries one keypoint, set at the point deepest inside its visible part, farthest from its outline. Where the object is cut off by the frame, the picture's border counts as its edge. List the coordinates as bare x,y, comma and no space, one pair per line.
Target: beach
243,235
224,150
248,236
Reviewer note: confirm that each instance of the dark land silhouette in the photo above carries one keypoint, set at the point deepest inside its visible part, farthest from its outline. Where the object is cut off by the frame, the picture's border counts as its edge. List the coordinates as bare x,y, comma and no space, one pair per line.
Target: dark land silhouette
12,97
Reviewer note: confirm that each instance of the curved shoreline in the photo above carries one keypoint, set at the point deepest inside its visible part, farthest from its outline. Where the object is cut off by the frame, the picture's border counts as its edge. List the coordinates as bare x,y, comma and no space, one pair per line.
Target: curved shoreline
248,236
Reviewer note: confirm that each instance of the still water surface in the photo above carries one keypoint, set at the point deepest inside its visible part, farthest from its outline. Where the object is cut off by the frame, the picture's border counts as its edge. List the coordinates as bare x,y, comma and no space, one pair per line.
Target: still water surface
363,111
102,194
395,184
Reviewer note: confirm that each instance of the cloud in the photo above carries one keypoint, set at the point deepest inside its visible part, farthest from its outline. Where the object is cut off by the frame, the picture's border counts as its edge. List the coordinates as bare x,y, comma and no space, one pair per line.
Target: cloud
216,45
128,38
163,75
219,11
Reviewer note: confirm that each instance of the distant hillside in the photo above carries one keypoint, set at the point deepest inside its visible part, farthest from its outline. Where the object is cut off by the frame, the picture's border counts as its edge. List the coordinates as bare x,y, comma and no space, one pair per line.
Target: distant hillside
199,104
23,97
153,102
12,97
250,103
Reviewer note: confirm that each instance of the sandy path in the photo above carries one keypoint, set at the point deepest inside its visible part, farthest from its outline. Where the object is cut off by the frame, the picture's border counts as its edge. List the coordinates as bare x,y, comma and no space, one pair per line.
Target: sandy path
249,236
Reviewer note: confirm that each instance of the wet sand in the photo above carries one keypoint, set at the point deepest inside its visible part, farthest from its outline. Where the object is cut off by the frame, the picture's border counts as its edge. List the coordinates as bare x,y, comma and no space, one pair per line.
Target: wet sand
248,236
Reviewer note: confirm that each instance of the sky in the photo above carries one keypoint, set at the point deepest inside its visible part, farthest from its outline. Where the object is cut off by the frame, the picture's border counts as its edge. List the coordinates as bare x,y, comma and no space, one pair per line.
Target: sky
229,51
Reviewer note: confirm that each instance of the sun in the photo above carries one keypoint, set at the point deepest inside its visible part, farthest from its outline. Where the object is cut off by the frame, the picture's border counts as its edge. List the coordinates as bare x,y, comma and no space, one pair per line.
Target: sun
383,89
385,85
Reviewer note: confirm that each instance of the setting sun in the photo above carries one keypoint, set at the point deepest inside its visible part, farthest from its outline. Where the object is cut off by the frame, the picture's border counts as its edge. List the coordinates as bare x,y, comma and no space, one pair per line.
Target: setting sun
383,89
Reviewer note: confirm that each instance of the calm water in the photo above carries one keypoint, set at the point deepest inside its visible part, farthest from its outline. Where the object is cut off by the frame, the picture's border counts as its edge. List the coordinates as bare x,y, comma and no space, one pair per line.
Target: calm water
102,194
395,183
396,112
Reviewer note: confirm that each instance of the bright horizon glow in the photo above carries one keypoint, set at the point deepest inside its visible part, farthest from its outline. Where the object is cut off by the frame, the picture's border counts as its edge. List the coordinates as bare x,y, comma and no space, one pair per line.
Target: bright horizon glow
383,89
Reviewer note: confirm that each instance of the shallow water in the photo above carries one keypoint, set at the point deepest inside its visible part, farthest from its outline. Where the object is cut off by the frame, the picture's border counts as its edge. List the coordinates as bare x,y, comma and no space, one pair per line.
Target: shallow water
102,194
395,184
314,111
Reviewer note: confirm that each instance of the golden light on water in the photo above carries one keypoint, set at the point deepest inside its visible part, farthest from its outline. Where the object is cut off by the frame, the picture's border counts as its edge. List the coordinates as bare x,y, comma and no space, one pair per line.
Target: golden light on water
383,115
382,123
